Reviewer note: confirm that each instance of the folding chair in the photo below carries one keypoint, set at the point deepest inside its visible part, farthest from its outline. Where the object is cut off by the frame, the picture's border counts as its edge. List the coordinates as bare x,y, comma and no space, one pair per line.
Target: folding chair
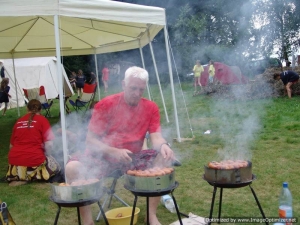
45,104
32,93
110,192
39,94
87,97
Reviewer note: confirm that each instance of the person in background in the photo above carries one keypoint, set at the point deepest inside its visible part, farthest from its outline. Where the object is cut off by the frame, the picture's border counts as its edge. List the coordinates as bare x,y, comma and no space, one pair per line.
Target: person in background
288,78
2,73
4,94
72,80
198,69
90,78
30,148
105,77
115,137
80,79
211,72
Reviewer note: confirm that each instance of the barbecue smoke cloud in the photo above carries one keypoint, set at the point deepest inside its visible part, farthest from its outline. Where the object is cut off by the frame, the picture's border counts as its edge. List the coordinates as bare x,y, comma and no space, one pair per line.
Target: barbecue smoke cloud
238,126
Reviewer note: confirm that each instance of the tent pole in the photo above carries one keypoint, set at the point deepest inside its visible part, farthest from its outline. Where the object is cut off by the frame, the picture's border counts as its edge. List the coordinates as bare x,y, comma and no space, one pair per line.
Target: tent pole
157,77
13,60
143,62
172,83
96,65
61,92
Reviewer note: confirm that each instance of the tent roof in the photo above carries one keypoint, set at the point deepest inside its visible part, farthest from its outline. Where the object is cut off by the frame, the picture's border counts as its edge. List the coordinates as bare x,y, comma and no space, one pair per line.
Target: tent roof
86,27
29,62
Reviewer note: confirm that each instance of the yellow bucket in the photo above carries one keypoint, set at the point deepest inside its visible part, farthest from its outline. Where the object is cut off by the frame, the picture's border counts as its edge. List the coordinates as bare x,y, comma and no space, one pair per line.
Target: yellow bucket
122,216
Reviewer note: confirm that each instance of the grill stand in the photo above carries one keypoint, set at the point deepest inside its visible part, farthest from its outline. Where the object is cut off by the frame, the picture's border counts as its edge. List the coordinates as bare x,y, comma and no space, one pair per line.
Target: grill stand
148,194
78,204
238,185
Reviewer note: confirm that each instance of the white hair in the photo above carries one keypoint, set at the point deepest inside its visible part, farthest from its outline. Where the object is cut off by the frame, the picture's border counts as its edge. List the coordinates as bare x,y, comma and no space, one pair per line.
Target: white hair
137,72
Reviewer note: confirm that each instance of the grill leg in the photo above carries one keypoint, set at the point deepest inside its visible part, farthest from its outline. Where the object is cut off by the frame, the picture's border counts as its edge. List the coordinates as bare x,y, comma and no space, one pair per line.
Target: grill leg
133,209
148,222
78,215
220,204
177,210
57,215
103,213
257,202
212,204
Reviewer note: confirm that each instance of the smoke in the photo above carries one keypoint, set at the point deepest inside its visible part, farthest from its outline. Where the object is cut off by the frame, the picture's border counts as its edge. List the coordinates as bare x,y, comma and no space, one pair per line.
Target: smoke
238,126
76,129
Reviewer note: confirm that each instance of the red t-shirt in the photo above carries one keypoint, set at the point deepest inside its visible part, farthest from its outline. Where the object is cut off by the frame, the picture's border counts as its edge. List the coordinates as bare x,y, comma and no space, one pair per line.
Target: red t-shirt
122,126
28,144
105,73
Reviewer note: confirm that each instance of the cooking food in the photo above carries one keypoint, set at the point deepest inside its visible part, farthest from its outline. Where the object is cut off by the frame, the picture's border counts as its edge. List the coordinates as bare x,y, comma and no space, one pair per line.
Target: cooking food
79,182
228,164
153,172
228,171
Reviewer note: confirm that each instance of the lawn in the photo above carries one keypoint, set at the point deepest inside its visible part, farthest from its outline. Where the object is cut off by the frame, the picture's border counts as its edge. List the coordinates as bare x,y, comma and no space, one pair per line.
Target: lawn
264,131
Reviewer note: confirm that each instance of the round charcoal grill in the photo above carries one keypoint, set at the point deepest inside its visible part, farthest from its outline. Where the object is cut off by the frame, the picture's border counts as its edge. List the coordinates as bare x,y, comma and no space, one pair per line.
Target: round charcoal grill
230,185
217,185
77,196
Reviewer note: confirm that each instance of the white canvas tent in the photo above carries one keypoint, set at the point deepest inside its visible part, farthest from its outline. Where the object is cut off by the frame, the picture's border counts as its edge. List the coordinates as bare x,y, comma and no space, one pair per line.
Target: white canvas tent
33,73
33,28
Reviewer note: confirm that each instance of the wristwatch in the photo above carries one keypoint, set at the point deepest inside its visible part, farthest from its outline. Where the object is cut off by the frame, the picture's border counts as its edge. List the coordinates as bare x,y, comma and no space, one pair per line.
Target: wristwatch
166,143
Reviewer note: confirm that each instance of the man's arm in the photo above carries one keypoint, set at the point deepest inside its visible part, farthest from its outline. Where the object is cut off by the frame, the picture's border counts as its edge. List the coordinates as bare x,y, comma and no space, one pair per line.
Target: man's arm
160,144
97,146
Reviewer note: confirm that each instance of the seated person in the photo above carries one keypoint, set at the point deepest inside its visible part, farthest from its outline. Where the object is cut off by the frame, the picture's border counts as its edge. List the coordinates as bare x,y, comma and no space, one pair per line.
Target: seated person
30,148
90,78
115,137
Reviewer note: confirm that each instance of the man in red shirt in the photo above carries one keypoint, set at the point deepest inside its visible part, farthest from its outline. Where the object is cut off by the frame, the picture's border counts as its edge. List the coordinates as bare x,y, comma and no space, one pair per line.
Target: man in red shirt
116,133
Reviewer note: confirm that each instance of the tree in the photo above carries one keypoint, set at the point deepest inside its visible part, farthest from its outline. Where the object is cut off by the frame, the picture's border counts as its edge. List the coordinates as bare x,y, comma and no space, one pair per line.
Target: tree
215,30
277,26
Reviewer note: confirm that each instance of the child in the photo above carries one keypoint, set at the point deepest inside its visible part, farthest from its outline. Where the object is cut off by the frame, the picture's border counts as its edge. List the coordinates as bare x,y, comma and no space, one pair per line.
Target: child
211,72
80,79
4,89
72,79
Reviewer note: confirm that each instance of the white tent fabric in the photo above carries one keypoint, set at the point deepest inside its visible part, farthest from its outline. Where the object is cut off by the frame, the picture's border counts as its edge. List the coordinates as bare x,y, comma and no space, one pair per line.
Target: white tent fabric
86,27
35,28
33,73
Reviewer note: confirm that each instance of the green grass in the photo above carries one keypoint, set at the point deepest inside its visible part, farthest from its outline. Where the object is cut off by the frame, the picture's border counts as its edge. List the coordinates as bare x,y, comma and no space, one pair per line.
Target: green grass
264,130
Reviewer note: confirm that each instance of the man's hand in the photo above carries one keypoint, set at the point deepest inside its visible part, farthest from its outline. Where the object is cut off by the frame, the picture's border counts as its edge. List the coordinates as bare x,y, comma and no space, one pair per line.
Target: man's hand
166,152
122,155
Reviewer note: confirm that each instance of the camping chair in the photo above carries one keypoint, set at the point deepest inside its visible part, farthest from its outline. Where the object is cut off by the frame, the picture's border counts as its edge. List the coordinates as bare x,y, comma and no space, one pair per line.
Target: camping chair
45,104
32,93
87,97
110,192
39,94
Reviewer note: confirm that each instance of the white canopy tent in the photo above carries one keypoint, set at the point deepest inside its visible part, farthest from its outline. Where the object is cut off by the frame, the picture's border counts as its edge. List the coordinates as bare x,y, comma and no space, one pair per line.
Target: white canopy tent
34,28
33,73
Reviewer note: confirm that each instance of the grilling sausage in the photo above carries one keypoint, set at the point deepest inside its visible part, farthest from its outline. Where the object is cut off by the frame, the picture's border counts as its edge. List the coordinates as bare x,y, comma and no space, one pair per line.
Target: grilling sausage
150,172
227,165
